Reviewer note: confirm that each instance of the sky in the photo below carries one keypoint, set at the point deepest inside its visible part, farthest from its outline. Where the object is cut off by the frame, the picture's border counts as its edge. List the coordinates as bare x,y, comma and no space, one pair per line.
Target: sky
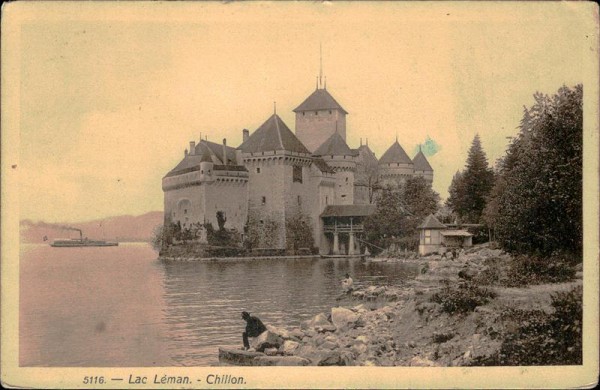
111,94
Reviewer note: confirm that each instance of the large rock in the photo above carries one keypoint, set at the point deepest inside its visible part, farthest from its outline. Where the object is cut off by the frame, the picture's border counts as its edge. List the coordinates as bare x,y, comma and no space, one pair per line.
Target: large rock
318,323
281,361
418,361
343,319
267,339
238,357
288,347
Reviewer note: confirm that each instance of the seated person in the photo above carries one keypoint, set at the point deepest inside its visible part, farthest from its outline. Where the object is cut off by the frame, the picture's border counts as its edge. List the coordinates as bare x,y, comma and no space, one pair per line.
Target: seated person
347,283
254,327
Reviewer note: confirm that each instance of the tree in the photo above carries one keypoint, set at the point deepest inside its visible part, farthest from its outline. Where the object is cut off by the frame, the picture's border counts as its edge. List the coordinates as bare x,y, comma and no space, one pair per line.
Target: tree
470,189
398,213
539,194
299,232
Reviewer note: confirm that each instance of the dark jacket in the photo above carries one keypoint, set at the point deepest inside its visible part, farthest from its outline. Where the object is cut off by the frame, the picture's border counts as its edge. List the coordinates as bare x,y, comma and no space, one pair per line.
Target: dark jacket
254,326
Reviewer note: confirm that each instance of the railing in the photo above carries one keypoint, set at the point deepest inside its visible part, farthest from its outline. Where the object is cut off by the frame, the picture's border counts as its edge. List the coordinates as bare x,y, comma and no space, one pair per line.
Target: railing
354,228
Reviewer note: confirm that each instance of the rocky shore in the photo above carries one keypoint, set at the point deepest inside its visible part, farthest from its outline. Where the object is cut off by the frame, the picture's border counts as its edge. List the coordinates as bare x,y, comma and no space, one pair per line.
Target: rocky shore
408,325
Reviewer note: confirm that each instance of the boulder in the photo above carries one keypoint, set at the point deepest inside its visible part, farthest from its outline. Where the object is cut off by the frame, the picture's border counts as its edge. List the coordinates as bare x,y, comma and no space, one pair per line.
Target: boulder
330,358
281,361
271,351
288,347
283,333
343,319
328,345
237,357
418,361
318,323
267,339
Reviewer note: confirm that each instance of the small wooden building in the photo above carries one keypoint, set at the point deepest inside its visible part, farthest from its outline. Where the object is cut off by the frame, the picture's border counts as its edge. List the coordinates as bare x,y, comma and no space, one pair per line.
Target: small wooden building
430,238
434,235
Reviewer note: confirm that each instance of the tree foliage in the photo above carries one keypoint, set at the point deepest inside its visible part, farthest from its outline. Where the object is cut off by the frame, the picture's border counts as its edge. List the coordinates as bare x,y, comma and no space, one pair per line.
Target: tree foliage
537,201
398,213
470,188
299,232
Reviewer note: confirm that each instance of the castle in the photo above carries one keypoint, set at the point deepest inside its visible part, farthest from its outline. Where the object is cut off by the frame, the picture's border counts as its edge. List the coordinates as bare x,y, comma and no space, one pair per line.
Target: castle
276,176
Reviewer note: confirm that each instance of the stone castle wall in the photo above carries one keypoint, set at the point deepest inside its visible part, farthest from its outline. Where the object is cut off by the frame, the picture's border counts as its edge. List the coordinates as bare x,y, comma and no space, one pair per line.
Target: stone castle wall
315,127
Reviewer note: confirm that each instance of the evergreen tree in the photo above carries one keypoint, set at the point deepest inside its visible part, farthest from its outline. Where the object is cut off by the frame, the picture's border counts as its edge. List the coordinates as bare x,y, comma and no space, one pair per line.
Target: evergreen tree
470,189
539,195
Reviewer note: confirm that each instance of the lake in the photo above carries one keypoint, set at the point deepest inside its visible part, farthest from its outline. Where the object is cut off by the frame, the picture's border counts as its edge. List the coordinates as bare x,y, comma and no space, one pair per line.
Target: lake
122,306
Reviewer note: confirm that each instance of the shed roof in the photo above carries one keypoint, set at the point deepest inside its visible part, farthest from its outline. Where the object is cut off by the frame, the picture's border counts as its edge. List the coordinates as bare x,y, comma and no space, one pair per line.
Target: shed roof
273,135
349,210
395,154
456,233
320,99
431,222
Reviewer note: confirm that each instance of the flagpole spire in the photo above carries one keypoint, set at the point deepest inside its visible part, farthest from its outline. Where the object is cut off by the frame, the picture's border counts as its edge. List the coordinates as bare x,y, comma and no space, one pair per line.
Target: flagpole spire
320,63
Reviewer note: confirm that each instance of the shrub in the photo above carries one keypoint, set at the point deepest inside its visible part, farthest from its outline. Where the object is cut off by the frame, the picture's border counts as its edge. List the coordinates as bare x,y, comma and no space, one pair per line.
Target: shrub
462,298
540,338
526,270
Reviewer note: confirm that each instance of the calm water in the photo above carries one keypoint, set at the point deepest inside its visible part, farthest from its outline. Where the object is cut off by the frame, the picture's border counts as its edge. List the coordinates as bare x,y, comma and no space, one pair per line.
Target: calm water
121,306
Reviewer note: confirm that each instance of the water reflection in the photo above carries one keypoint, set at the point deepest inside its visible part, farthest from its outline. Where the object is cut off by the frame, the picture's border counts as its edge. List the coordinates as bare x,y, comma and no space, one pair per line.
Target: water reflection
120,306
204,300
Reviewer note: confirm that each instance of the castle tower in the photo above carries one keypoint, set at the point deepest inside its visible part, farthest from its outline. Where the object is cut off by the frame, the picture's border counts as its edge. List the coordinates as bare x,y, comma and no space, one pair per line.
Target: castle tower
319,117
422,167
395,166
278,166
336,153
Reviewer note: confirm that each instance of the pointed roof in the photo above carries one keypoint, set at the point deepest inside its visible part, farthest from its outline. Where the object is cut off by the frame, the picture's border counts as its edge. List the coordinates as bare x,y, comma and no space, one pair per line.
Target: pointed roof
273,135
421,163
320,99
334,146
431,222
395,154
214,151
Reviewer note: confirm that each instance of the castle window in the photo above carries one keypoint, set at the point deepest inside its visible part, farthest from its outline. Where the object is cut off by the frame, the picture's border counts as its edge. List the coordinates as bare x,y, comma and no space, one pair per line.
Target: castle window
185,211
262,221
316,112
202,171
346,180
257,170
343,196
329,112
299,200
303,113
264,200
326,199
427,236
297,174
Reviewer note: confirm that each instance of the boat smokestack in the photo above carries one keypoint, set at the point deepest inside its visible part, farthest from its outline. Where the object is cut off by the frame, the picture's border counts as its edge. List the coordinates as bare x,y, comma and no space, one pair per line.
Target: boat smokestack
224,151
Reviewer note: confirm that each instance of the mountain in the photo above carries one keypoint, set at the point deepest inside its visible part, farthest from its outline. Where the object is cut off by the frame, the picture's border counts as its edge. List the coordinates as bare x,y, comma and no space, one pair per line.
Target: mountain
120,228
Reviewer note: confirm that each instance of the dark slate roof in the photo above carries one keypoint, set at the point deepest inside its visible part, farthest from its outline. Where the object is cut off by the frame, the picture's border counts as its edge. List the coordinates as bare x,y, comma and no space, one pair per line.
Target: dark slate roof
216,150
322,165
189,163
349,210
421,163
334,146
431,222
273,135
320,100
395,154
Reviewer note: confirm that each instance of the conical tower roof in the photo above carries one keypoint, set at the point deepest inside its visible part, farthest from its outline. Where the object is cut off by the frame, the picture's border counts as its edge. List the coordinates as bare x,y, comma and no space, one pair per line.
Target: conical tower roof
421,163
431,222
273,135
320,99
334,146
395,154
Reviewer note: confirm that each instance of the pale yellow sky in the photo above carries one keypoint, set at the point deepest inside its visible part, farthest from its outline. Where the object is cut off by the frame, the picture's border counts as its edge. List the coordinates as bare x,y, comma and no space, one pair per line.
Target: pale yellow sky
111,94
